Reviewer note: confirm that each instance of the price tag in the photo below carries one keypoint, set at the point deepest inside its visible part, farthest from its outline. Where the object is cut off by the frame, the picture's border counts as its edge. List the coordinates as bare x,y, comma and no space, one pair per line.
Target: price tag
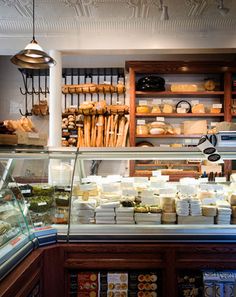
164,145
168,101
33,135
15,241
38,224
156,101
26,191
213,124
181,110
203,180
42,203
194,102
141,122
217,105
73,136
156,173
63,197
220,179
160,119
59,216
64,130
142,102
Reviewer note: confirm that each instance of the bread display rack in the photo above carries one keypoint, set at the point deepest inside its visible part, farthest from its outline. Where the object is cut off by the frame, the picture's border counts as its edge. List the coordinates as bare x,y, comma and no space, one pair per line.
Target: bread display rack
94,108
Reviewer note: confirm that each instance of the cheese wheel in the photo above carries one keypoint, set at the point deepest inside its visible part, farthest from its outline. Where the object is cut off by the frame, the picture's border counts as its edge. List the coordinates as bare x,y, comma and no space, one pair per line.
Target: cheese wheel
142,109
154,131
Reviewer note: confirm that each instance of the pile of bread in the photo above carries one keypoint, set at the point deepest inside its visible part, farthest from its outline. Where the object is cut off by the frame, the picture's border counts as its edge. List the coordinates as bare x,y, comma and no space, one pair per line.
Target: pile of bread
96,108
93,88
24,124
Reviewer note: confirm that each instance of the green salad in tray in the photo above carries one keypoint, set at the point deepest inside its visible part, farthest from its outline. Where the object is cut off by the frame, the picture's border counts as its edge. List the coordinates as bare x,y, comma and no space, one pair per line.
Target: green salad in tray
42,190
40,203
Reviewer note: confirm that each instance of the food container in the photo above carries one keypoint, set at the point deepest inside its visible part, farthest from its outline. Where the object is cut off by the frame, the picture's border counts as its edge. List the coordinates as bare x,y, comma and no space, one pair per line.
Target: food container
142,128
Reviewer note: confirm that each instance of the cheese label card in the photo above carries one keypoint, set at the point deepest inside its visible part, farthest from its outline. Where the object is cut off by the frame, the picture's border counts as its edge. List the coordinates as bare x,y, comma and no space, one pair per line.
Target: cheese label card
217,105
143,102
168,101
141,122
156,173
156,101
160,119
194,102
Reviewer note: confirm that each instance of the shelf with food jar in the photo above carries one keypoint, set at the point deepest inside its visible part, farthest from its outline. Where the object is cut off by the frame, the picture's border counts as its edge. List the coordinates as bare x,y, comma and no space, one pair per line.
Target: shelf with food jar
175,93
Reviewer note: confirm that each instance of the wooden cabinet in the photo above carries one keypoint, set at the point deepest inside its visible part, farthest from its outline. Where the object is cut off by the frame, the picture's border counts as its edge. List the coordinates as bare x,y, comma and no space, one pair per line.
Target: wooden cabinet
52,266
176,72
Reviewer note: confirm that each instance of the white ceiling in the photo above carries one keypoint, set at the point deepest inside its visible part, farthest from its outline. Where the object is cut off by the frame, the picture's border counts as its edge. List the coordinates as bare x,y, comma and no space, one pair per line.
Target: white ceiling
77,26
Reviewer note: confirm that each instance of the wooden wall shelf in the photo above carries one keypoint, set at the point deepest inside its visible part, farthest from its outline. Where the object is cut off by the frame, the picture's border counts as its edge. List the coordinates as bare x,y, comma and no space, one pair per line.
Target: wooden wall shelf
168,93
179,115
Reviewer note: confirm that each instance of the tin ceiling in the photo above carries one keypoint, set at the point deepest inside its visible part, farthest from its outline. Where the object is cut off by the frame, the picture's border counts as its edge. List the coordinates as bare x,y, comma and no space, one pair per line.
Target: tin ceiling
80,25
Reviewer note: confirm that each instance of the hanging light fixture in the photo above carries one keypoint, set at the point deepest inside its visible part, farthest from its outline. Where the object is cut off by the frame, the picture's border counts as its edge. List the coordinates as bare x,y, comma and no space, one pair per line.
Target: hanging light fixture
33,56
222,9
164,11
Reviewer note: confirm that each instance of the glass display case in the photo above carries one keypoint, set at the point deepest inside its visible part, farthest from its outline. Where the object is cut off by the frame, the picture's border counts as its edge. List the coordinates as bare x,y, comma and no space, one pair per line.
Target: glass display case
89,194
16,239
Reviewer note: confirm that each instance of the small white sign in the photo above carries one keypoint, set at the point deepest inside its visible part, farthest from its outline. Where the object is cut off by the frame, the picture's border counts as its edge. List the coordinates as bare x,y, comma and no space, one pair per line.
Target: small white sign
194,102
168,101
213,124
141,122
143,102
42,203
156,101
156,173
217,105
33,135
220,179
160,119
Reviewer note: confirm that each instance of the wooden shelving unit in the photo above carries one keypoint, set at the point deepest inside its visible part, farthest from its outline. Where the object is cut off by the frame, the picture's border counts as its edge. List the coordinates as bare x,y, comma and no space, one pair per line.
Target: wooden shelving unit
224,70
179,115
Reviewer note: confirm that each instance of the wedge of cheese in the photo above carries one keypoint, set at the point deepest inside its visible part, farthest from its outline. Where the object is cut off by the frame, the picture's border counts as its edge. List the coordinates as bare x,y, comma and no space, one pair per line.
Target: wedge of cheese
195,127
167,108
198,108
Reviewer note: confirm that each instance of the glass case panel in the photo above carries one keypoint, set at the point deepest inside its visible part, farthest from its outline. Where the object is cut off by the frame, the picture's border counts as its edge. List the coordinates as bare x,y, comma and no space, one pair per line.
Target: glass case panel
108,200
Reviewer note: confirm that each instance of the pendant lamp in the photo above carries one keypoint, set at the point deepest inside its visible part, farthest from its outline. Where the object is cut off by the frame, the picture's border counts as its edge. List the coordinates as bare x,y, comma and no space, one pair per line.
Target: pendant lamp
33,56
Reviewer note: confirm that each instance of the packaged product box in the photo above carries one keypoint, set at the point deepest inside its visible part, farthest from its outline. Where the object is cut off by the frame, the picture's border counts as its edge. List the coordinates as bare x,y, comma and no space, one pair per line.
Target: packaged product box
117,284
144,284
190,284
88,284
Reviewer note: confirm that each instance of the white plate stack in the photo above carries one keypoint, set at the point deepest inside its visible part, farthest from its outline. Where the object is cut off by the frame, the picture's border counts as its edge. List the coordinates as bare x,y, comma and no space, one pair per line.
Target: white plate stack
125,215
